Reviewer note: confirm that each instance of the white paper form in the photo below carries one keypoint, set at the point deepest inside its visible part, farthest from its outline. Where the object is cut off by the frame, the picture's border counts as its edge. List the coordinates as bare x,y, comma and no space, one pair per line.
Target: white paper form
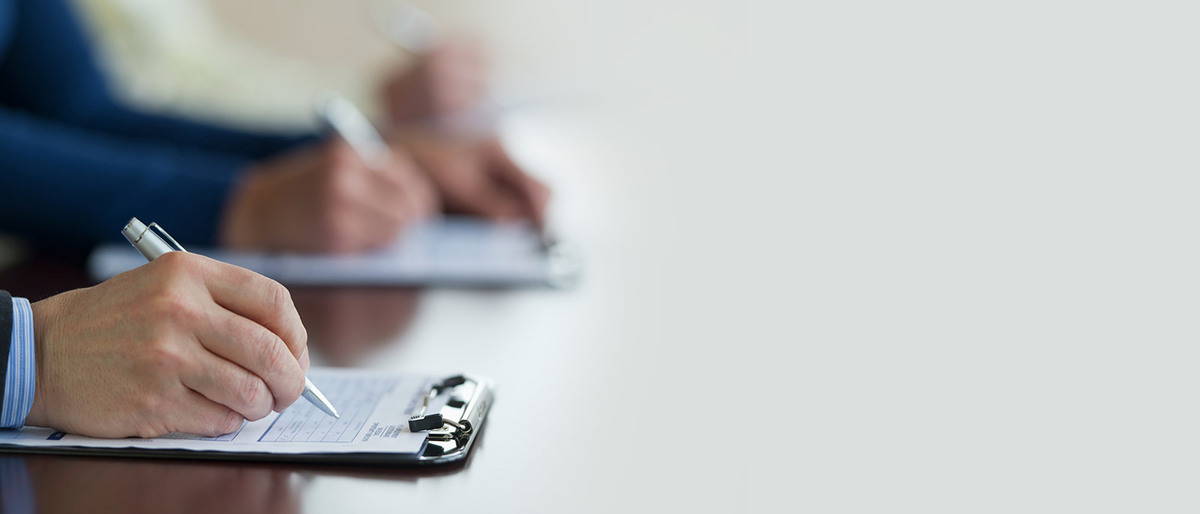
444,251
375,408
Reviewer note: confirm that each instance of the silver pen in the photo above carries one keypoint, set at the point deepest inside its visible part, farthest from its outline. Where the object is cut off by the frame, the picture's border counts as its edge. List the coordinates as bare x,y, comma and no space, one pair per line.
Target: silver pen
152,241
340,115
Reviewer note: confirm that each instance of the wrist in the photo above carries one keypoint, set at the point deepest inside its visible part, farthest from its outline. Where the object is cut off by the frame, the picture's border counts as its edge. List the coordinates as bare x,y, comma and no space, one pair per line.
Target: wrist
48,323
44,321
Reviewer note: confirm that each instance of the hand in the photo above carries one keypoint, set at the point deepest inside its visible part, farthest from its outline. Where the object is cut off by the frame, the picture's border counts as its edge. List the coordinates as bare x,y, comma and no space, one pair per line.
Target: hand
476,177
181,344
448,80
323,198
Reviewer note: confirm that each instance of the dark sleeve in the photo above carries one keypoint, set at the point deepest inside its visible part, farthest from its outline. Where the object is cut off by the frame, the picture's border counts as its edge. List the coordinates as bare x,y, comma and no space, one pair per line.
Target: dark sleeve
49,70
64,186
6,311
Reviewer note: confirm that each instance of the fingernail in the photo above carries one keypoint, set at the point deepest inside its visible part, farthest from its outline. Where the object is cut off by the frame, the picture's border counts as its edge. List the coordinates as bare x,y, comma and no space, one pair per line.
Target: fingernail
304,360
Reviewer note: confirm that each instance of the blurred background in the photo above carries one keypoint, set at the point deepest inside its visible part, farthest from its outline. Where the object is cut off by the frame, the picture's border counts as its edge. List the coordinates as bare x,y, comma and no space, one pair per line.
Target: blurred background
632,112
856,256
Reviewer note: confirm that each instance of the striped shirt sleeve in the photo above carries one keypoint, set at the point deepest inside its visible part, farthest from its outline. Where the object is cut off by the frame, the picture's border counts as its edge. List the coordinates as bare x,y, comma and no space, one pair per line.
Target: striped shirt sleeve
20,376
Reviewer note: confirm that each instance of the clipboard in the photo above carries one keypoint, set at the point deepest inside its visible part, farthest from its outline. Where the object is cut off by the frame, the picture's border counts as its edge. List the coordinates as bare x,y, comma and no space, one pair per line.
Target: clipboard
460,404
447,252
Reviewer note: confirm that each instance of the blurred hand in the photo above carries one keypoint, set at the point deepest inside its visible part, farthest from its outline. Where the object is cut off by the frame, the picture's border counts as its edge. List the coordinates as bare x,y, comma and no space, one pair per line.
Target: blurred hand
475,176
448,80
323,198
181,344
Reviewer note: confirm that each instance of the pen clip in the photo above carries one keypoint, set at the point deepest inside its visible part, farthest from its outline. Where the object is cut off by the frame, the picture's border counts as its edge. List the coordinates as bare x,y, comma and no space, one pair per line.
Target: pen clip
166,238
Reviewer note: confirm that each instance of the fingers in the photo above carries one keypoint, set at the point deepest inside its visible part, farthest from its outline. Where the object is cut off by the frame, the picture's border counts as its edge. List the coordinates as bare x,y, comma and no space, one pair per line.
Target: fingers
379,201
369,217
377,225
505,191
533,195
402,188
228,384
255,297
490,201
196,414
419,190
251,367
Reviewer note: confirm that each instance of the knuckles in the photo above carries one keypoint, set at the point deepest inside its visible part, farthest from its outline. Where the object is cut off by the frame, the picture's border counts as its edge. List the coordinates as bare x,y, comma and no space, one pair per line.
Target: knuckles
230,421
220,424
278,362
273,356
149,407
279,296
162,356
258,403
171,293
149,431
292,392
178,265
292,331
176,306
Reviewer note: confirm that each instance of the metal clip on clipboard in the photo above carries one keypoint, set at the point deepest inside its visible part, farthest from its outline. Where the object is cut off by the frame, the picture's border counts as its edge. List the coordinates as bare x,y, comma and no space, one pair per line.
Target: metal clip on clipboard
452,428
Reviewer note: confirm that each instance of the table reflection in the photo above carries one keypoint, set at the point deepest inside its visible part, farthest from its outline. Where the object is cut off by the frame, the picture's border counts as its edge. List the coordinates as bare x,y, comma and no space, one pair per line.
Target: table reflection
71,484
345,325
55,483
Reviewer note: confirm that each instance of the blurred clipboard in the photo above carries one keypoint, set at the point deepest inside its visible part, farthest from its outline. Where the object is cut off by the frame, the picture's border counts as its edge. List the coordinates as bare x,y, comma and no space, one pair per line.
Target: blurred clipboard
450,251
387,420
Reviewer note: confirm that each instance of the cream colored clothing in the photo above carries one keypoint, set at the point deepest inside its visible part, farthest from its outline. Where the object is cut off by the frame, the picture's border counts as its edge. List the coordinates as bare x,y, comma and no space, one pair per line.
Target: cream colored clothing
177,56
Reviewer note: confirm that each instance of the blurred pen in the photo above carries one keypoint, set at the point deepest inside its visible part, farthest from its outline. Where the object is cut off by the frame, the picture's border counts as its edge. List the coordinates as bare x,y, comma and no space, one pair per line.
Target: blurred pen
341,116
152,241
407,25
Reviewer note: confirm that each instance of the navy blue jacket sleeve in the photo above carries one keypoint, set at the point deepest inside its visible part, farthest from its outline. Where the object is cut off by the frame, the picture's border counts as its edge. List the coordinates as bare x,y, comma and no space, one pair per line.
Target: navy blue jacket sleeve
48,69
70,187
75,165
